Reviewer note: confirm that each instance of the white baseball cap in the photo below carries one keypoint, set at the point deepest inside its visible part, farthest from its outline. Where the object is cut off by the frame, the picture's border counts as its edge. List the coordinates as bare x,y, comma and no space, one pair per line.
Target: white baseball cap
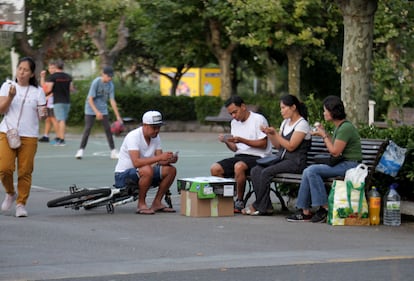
152,118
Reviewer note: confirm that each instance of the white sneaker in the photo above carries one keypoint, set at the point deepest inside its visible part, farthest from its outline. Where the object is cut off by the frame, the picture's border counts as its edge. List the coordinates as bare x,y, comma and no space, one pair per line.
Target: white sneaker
8,202
79,154
114,154
21,211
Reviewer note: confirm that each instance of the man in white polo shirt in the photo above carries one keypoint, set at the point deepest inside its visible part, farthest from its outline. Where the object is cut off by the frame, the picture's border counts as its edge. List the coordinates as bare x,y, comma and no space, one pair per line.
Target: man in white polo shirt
142,161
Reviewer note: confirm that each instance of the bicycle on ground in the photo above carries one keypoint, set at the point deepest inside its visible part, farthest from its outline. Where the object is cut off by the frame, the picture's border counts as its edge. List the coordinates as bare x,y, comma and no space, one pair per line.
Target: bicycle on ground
110,197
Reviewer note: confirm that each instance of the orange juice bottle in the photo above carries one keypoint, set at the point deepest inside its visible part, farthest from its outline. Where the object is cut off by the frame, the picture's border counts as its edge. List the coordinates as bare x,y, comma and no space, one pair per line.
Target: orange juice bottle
374,206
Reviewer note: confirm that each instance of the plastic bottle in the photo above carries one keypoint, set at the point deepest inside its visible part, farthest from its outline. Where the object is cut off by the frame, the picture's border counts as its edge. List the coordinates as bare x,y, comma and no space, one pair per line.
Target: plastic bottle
392,212
374,206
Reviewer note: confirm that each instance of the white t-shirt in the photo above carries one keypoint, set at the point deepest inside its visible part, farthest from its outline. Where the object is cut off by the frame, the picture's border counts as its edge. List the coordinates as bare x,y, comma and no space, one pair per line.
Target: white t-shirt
250,129
135,140
301,126
29,120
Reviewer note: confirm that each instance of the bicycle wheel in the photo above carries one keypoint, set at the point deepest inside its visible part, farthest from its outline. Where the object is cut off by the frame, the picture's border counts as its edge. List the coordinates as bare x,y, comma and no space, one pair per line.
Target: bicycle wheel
78,198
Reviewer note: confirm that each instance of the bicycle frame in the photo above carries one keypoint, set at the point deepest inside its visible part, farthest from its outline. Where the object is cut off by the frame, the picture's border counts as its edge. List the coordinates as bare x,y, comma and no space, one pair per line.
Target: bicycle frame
117,197
96,197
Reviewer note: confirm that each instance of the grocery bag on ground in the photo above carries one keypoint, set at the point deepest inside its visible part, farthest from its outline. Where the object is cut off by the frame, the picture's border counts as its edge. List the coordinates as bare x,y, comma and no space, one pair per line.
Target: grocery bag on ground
347,204
392,159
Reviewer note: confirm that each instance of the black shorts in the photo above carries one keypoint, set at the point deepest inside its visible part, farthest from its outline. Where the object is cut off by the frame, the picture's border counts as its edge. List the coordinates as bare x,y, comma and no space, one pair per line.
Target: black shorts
228,163
50,112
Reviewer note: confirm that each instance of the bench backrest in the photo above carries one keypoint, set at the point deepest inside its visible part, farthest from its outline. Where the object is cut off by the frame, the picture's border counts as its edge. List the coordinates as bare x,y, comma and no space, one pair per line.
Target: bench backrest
372,150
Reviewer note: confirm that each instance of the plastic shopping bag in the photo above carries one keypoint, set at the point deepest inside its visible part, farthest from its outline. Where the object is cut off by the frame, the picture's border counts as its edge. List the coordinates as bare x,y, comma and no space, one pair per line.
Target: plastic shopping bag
347,204
392,159
356,175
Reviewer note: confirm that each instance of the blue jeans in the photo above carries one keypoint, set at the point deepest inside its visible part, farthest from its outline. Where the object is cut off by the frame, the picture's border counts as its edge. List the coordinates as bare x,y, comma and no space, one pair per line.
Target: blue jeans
312,191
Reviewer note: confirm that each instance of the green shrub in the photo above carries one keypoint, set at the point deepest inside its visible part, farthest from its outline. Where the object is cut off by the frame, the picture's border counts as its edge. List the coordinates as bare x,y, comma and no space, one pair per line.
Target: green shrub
207,106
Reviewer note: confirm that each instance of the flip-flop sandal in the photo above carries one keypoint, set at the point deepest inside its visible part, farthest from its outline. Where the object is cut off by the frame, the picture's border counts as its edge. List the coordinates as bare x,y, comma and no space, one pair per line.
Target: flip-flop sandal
165,210
248,211
145,212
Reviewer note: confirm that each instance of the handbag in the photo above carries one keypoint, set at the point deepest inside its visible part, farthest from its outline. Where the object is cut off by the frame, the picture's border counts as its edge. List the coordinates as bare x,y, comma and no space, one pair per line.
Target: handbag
347,204
269,160
13,137
392,159
329,160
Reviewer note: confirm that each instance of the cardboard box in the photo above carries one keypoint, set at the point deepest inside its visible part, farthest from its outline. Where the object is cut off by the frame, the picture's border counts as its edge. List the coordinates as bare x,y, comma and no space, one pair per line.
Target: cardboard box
208,187
219,206
206,196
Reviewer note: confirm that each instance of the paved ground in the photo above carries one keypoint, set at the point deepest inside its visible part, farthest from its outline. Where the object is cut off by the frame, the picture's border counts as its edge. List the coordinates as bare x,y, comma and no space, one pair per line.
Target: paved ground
92,245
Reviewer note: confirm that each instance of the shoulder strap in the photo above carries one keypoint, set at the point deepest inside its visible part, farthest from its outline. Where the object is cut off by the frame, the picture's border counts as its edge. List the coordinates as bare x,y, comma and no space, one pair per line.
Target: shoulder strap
21,109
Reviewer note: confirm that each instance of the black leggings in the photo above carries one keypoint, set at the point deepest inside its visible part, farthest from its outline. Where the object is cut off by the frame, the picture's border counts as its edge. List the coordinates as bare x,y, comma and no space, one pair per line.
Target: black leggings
89,121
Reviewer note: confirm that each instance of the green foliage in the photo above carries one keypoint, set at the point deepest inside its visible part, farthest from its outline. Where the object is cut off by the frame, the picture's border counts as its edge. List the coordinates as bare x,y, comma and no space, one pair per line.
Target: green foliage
167,34
134,103
77,102
393,55
315,110
5,64
207,106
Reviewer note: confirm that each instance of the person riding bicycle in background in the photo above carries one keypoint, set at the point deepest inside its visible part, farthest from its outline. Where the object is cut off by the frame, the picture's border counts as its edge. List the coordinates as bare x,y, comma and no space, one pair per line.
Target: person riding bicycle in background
142,161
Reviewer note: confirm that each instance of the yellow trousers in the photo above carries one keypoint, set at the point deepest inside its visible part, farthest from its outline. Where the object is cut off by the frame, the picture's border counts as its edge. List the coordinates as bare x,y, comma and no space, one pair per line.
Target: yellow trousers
24,155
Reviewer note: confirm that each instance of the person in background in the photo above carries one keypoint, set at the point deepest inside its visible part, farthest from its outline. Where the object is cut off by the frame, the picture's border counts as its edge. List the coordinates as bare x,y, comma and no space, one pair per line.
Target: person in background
50,119
60,84
20,102
96,107
292,142
143,163
248,143
345,141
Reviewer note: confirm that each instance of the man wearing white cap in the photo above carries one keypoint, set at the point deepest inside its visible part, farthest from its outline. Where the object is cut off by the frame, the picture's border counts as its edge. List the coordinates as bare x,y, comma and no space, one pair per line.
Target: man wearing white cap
142,161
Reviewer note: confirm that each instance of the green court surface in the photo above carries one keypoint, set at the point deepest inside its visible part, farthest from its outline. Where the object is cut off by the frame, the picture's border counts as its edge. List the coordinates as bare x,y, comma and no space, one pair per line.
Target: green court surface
56,167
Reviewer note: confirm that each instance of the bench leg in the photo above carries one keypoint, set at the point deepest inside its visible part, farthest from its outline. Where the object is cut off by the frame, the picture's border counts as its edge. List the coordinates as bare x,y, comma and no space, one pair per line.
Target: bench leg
274,190
249,192
280,197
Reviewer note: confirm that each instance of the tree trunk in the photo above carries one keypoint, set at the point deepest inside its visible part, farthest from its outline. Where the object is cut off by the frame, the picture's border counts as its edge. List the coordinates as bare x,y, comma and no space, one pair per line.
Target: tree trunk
271,77
225,75
224,58
98,35
39,54
357,54
294,57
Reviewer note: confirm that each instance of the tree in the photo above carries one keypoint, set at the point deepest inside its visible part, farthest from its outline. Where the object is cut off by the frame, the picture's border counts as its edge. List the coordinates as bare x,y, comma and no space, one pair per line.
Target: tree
98,34
46,24
393,56
193,30
49,24
358,18
104,22
168,36
296,28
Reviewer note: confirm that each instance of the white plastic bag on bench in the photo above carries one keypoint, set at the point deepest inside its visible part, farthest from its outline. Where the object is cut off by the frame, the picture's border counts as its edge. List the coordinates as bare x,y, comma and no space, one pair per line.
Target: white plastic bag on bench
392,159
357,175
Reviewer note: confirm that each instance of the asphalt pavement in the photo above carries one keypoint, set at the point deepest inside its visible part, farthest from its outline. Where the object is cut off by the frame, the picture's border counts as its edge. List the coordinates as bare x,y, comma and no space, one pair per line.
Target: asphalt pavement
66,244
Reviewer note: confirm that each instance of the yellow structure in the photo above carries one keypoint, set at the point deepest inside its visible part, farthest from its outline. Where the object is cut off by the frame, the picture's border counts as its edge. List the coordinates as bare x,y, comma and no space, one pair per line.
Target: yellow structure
195,82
